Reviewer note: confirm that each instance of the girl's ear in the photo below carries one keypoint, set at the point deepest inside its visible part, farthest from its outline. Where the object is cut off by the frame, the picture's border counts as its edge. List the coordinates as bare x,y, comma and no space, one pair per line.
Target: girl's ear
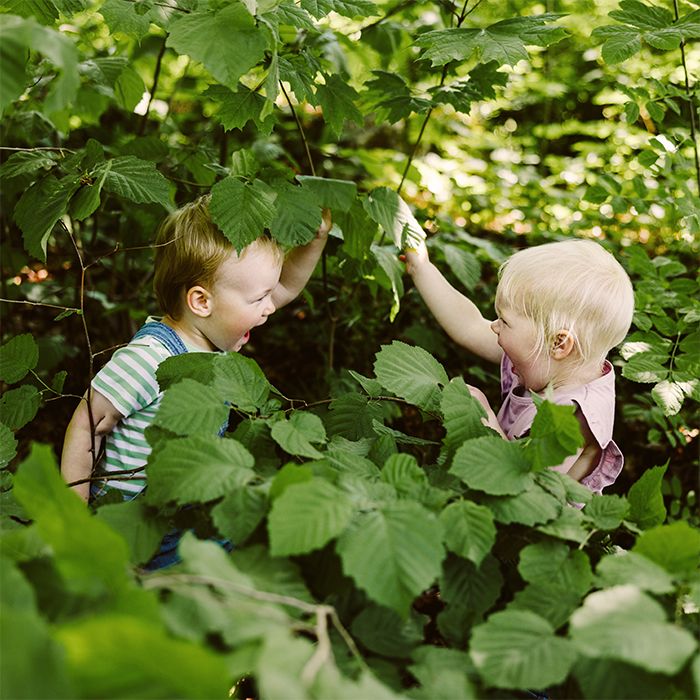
563,345
198,301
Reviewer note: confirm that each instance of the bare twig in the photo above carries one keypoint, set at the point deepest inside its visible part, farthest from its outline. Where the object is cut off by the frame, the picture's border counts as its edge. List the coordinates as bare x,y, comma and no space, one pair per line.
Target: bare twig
152,93
300,128
38,303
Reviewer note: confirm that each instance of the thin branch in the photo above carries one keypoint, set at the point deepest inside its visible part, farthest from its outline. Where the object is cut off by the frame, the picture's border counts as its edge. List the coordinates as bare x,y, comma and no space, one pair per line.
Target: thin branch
691,102
60,149
37,303
152,93
300,128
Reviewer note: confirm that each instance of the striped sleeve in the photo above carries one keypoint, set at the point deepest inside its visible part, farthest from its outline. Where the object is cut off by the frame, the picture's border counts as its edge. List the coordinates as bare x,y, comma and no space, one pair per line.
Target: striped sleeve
128,380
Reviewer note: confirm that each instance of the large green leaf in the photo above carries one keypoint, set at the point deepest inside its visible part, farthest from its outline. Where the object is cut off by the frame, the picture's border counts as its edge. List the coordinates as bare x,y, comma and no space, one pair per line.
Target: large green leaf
18,356
123,16
297,218
191,408
239,513
464,265
393,553
338,100
391,99
242,210
607,512
336,195
635,569
39,209
196,469
493,465
570,525
90,556
26,162
16,36
676,547
534,506
469,530
605,679
503,42
462,415
240,381
411,373
555,434
296,434
8,446
385,632
647,508
236,108
555,563
227,42
135,179
346,8
391,266
553,602
99,648
624,623
518,649
19,406
387,208
306,517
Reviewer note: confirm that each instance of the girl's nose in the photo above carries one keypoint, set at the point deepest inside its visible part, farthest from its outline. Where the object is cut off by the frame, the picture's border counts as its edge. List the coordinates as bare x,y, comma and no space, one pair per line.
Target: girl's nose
496,326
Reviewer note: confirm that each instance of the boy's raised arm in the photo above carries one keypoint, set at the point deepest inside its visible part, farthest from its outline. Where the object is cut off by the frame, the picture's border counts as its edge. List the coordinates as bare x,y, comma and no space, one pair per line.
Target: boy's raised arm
457,314
77,457
299,265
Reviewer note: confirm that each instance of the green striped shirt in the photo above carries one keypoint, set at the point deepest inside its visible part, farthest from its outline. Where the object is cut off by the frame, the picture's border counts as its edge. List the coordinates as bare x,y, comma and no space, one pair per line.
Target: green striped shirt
129,382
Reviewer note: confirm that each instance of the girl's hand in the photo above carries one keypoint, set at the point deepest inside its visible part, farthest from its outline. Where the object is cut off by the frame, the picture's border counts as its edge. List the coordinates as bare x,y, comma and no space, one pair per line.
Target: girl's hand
415,258
326,225
490,420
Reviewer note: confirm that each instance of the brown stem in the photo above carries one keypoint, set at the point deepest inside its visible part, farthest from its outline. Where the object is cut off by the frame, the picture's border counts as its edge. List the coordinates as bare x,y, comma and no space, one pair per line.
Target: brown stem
301,130
151,95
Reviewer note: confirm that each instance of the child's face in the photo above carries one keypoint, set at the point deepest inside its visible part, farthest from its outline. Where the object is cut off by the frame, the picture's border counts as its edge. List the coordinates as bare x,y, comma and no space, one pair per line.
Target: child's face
241,298
517,335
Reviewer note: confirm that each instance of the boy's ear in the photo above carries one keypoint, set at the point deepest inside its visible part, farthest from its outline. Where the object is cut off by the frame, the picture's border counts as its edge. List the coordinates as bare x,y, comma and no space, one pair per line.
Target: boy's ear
198,301
564,344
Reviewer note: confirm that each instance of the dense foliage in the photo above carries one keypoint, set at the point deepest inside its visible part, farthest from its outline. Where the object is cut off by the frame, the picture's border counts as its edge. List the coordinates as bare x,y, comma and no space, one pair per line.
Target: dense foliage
387,544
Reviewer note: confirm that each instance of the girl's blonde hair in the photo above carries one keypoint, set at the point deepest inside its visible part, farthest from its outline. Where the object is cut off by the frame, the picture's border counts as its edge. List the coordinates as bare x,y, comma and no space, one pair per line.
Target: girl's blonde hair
190,249
571,285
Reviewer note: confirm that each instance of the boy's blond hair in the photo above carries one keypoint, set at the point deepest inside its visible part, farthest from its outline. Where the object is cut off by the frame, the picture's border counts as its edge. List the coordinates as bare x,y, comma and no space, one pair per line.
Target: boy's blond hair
190,249
571,285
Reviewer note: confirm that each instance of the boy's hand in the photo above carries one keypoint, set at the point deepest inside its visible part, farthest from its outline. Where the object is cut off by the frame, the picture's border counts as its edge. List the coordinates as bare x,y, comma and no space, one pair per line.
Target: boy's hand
326,225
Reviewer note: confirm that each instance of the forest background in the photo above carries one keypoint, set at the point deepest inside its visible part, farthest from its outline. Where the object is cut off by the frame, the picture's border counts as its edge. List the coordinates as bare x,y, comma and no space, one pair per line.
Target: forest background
502,125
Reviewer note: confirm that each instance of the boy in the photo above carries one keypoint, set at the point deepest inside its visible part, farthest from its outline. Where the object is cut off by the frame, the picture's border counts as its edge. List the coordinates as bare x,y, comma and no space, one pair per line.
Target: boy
561,308
212,298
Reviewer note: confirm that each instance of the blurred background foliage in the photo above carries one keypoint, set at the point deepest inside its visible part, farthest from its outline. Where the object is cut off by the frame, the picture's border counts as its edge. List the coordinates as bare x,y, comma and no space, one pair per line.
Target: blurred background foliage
563,143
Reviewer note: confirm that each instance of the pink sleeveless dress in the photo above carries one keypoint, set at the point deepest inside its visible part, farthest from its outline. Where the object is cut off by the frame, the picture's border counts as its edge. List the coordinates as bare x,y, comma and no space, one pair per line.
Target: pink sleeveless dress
595,400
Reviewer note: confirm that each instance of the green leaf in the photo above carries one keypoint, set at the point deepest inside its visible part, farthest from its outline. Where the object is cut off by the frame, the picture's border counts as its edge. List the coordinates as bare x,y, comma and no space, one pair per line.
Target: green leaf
385,632
135,179
289,474
242,210
236,107
128,89
26,163
503,42
462,415
297,218
121,16
533,506
177,410
493,465
18,356
19,406
634,569
411,373
336,195
346,8
647,508
8,446
469,530
240,513
676,547
391,99
518,649
240,381
570,525
550,601
227,42
93,560
670,396
605,679
337,99
624,623
296,434
555,434
18,35
554,563
607,512
307,516
464,265
394,270
87,199
619,43
199,366
197,469
142,533
442,672
39,209
393,553
352,416
645,367
387,208
99,647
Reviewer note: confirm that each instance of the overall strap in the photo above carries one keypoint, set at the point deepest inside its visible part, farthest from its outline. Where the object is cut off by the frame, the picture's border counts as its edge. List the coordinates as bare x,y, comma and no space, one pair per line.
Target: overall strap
165,334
